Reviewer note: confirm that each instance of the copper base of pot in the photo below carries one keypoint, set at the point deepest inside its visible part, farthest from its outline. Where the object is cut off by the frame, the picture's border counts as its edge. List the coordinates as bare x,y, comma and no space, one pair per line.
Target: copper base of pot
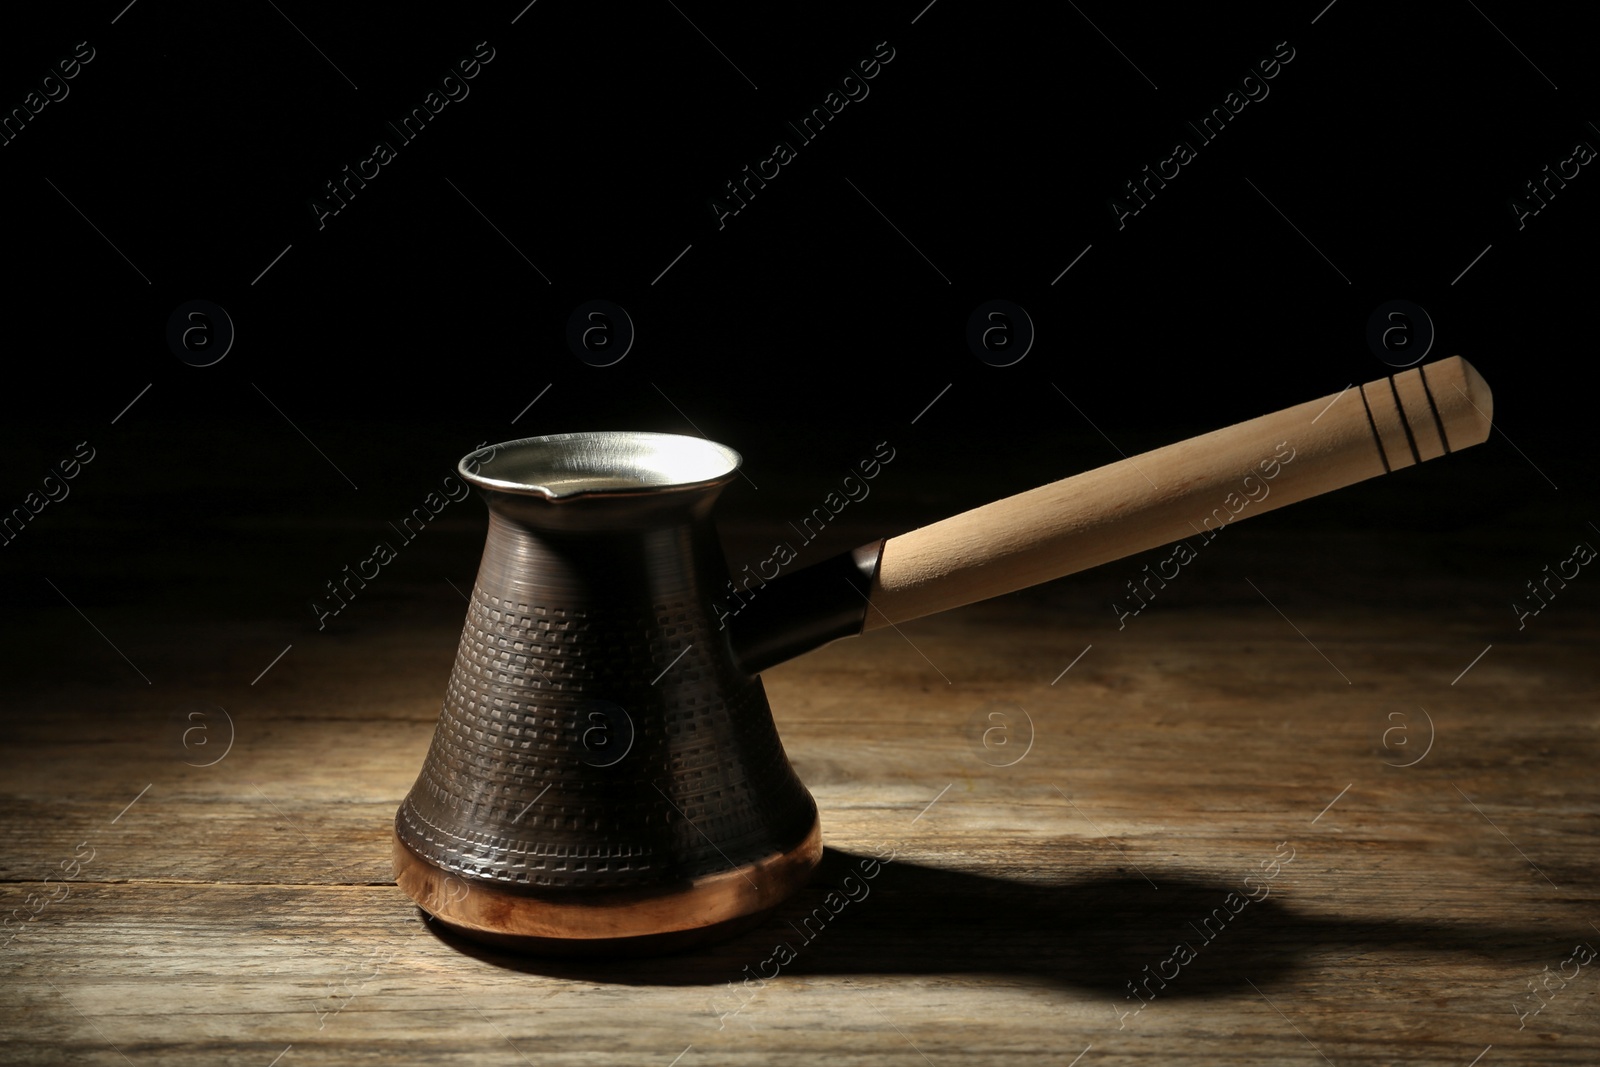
616,922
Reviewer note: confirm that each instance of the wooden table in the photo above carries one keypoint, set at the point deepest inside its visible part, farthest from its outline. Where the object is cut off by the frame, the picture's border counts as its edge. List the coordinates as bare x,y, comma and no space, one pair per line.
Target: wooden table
1307,719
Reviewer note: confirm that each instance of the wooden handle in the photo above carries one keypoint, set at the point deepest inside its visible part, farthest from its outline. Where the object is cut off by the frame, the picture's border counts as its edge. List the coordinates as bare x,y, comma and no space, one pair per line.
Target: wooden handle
1185,490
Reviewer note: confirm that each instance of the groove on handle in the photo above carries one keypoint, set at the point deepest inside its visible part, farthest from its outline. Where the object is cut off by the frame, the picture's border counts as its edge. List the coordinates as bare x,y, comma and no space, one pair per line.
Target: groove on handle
1182,490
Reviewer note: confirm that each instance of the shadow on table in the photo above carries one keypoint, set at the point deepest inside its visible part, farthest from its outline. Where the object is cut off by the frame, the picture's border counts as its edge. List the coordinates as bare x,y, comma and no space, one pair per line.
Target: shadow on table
1172,935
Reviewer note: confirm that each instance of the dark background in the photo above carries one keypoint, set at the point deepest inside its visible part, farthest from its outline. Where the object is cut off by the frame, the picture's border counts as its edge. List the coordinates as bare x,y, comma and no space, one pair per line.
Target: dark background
408,330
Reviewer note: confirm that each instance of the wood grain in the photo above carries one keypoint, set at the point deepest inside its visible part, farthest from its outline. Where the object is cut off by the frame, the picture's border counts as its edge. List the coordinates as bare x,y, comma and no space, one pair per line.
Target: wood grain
242,912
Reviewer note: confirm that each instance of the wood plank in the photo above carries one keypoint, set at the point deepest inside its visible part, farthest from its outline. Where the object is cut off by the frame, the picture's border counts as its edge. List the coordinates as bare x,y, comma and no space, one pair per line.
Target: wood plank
236,910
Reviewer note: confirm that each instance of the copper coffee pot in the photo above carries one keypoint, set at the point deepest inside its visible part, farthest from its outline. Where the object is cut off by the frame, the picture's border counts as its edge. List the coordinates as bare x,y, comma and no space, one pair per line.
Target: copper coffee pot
606,776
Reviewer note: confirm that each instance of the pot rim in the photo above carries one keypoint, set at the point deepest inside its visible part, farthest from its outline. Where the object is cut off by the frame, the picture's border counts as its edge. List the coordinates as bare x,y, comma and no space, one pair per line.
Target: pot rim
600,463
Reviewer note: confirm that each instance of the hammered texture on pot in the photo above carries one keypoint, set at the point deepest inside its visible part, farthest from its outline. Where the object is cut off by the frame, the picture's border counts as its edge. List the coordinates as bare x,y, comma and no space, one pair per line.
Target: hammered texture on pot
596,732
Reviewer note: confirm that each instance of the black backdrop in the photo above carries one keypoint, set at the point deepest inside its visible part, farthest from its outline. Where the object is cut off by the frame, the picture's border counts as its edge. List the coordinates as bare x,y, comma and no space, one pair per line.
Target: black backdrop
374,346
